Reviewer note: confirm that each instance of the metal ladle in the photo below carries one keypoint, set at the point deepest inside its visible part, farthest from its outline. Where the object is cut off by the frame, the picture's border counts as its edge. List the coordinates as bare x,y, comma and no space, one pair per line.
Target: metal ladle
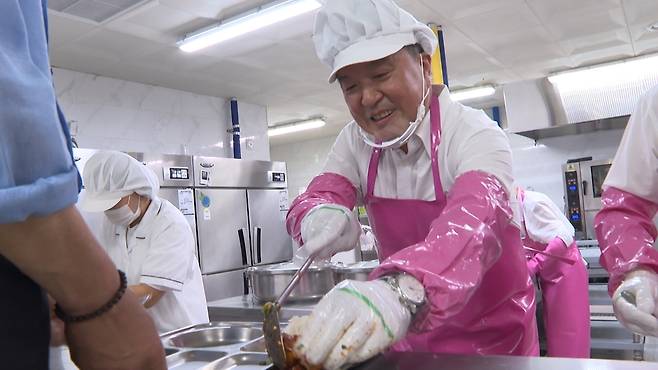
271,324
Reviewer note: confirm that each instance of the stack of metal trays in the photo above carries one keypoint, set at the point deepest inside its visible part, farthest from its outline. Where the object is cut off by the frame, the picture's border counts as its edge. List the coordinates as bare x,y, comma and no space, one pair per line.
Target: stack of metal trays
217,346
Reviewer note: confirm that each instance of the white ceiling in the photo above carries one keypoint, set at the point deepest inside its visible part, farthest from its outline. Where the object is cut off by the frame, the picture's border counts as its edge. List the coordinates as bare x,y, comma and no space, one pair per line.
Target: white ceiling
487,41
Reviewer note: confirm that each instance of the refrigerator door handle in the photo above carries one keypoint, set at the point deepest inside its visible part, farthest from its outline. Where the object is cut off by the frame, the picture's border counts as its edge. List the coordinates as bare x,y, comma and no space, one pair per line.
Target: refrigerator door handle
243,246
245,284
259,254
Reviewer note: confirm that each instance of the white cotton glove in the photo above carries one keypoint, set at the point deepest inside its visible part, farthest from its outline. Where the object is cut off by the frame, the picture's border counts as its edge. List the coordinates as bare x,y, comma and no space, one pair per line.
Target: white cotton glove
639,317
355,321
329,229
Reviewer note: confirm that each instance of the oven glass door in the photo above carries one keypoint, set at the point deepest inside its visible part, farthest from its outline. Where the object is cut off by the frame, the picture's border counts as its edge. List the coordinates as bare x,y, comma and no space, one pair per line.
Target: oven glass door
593,175
599,174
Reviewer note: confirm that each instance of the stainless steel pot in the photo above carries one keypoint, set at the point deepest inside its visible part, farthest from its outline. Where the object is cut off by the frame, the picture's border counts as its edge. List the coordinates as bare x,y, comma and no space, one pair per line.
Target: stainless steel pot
354,271
267,282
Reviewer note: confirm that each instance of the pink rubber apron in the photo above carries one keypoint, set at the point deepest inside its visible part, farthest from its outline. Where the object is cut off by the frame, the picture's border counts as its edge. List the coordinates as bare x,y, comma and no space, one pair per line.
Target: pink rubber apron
565,299
496,320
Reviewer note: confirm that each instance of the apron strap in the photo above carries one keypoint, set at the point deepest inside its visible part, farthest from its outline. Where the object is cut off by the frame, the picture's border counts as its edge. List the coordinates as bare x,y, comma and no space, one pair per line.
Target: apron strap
372,171
435,134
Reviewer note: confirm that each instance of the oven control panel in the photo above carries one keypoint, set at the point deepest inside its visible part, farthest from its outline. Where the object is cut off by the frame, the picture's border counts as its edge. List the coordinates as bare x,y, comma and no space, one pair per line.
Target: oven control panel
574,210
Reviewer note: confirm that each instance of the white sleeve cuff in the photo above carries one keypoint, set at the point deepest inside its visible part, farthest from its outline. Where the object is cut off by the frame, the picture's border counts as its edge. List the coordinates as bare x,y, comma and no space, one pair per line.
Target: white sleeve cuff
161,282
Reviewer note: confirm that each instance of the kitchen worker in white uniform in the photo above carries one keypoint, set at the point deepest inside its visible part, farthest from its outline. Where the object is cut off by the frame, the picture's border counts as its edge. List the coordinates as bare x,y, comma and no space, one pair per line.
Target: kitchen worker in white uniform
624,226
554,258
147,237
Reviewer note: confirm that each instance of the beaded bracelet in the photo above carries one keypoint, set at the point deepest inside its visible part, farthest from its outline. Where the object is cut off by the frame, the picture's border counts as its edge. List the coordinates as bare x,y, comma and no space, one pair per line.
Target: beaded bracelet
103,309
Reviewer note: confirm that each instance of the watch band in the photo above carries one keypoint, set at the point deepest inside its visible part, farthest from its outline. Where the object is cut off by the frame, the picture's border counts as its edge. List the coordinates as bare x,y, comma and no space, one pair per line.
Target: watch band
392,281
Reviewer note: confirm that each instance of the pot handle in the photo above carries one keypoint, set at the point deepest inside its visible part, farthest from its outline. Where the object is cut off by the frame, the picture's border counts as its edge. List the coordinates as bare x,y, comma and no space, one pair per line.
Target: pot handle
243,246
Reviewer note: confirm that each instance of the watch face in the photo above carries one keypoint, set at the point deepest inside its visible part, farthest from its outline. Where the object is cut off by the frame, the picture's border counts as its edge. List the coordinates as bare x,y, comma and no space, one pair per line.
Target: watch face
412,289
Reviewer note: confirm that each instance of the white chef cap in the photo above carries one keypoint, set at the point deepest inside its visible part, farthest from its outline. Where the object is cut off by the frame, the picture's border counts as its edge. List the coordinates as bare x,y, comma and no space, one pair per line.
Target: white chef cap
109,176
347,32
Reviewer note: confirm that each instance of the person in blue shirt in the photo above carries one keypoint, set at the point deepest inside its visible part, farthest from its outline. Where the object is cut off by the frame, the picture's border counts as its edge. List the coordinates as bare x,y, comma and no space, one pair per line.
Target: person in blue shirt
45,246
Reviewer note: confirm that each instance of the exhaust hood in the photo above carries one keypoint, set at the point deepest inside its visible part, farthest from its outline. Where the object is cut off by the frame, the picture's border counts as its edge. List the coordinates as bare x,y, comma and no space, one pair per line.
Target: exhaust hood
579,101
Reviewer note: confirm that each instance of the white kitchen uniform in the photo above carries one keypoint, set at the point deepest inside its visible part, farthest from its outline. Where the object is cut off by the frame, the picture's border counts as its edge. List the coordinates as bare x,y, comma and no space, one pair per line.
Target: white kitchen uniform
470,140
635,167
544,220
159,251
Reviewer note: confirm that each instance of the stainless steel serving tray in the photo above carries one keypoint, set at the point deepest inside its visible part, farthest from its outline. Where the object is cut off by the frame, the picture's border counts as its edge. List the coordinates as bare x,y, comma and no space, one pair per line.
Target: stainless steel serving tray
217,345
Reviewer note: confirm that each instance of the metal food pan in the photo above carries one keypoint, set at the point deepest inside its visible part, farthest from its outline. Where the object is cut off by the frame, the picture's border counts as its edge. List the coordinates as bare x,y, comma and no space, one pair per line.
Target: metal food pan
256,346
268,282
171,351
242,361
355,271
192,360
215,336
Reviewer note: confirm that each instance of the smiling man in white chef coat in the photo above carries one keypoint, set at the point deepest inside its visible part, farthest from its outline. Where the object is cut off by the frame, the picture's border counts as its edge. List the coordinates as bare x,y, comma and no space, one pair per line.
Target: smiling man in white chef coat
147,237
435,179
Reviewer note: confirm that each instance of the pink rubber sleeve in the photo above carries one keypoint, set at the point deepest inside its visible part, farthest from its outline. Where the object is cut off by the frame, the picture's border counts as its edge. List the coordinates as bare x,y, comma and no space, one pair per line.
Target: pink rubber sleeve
325,188
626,233
463,243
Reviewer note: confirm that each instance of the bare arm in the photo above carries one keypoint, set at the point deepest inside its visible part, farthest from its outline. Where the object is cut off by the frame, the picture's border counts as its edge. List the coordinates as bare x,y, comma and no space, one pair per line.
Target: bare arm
147,294
61,255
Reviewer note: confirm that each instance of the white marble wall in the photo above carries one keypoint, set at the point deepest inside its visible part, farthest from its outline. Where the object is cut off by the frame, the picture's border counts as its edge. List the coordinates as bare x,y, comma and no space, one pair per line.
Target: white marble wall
108,113
304,161
538,166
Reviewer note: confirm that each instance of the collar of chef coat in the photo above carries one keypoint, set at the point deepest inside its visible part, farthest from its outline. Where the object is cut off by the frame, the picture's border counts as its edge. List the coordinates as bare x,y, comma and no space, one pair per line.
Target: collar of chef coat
143,229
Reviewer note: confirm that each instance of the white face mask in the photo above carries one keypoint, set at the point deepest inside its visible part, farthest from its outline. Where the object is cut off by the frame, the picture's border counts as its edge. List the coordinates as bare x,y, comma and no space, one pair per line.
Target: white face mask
406,135
123,216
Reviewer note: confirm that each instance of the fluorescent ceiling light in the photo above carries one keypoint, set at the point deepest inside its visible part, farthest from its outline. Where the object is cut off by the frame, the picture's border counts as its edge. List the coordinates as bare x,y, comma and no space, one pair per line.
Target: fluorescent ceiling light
605,90
248,22
295,126
607,75
473,93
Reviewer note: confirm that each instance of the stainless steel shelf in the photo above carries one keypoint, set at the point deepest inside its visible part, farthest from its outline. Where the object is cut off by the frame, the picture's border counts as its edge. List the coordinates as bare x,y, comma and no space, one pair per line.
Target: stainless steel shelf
615,123
611,335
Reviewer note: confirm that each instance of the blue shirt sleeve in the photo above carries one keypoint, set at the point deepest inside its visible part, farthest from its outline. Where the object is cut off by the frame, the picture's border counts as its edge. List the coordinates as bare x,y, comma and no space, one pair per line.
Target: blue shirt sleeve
37,173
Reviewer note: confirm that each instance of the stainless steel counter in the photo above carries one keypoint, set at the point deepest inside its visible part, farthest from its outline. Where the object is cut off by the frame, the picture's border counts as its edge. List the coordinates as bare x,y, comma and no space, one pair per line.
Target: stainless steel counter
246,308
422,361
223,346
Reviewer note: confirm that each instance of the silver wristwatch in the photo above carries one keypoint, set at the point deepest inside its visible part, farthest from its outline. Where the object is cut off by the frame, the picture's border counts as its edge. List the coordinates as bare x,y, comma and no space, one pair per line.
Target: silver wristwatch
410,291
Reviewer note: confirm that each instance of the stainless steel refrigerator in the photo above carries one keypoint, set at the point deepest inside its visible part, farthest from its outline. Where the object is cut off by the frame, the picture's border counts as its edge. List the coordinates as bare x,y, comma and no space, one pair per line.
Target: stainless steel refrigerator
175,174
241,207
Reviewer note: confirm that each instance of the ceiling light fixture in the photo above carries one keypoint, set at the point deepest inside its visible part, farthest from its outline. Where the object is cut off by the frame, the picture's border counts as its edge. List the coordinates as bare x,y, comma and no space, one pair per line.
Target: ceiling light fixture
604,90
606,76
472,93
256,19
295,126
